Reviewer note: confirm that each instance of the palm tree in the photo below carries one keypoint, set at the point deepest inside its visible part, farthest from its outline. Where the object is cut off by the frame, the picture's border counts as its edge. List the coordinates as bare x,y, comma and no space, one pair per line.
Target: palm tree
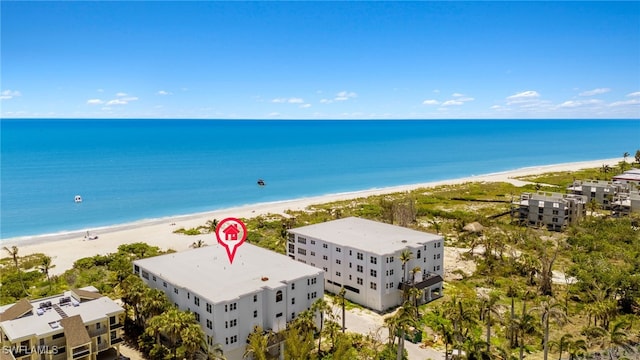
153,302
524,325
576,348
447,338
490,306
133,290
171,324
321,307
637,156
45,266
211,225
193,340
341,295
405,257
404,320
549,309
256,345
617,338
415,294
13,252
562,344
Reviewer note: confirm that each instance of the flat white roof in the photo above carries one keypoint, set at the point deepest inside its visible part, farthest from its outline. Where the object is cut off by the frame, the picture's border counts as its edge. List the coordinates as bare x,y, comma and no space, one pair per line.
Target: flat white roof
206,271
368,235
49,320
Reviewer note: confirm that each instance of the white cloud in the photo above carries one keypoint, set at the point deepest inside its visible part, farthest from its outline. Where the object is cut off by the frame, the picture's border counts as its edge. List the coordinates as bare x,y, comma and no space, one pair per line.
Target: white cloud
94,102
287,100
634,94
625,102
457,95
529,94
9,94
345,95
305,106
162,92
295,101
121,94
525,98
430,102
465,98
325,101
452,103
122,101
100,90
274,114
278,100
597,91
577,103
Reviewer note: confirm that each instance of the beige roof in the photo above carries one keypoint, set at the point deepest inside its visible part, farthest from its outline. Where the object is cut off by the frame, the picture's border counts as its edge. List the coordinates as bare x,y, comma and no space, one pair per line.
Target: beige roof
74,331
84,294
16,310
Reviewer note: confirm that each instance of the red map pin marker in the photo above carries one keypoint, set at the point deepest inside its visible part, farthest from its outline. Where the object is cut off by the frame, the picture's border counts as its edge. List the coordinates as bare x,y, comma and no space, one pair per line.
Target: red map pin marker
231,233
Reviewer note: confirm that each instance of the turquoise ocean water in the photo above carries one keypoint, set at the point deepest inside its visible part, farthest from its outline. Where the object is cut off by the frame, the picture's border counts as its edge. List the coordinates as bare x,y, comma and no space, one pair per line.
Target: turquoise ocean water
129,170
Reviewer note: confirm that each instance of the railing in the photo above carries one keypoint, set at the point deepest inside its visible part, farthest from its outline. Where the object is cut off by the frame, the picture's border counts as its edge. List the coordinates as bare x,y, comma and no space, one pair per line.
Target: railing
116,326
81,353
116,341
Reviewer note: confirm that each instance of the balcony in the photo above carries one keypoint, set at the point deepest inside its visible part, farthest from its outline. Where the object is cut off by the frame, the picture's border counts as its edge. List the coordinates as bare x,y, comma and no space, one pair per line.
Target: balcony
78,353
116,326
428,280
116,341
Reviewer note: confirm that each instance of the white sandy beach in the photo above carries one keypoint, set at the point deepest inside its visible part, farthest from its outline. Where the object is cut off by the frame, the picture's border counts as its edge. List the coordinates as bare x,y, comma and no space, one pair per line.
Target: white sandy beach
67,248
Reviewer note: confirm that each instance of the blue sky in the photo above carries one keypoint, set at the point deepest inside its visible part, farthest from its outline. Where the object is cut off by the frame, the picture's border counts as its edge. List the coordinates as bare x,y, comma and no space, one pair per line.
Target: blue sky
320,60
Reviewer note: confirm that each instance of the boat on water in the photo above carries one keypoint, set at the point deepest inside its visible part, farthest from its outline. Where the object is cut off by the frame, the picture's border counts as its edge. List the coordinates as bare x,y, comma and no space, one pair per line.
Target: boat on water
261,182
78,199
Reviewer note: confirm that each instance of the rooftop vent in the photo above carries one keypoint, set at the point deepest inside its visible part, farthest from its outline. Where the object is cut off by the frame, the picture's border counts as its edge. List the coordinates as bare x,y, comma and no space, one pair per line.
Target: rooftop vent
264,278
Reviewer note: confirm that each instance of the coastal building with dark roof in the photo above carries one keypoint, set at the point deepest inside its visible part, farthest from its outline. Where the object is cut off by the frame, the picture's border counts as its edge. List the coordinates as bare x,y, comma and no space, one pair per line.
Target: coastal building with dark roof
78,324
261,288
363,257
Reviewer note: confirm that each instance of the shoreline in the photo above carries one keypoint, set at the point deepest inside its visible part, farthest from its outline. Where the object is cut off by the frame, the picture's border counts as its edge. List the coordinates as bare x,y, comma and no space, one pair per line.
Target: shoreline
65,248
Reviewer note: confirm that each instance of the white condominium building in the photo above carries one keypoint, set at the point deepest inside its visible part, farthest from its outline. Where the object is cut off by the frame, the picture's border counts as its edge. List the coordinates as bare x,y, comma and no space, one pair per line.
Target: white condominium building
79,324
363,256
261,288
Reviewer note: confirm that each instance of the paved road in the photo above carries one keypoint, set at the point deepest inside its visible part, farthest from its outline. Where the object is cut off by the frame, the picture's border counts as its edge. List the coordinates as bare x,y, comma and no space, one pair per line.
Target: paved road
368,322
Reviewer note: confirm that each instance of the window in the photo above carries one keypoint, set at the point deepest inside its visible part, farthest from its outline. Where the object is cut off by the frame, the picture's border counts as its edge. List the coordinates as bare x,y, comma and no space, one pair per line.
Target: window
418,254
391,285
145,274
338,273
392,259
175,290
209,324
136,268
391,272
293,286
434,256
197,316
279,296
279,315
350,253
313,281
359,268
438,244
374,260
359,256
255,313
292,248
350,265
58,336
154,278
188,295
338,249
373,273
302,240
313,242
196,300
324,257
325,246
313,253
438,256
293,301
99,340
373,286
338,261
349,277
255,298
302,251
164,283
325,269
359,281
97,325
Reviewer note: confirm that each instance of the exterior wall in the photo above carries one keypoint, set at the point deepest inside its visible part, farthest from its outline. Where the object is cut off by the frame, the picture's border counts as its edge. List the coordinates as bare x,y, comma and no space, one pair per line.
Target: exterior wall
552,210
229,323
104,333
369,279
